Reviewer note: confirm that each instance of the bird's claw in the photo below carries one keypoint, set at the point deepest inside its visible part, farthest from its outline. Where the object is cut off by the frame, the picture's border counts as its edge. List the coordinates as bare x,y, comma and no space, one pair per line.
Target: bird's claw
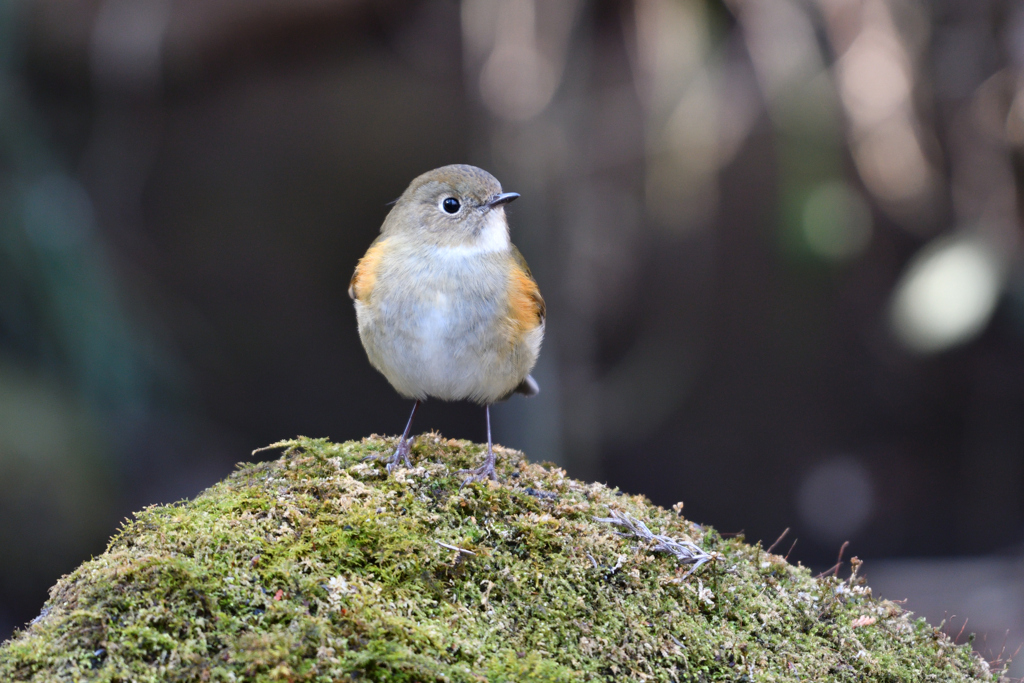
400,456
482,473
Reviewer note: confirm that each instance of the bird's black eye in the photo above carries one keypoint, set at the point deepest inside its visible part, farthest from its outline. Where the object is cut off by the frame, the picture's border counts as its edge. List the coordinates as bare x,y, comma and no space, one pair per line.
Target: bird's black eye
451,205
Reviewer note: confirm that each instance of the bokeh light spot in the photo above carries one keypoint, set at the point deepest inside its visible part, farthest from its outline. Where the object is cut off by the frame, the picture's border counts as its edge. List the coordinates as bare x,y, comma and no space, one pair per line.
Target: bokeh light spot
836,221
835,499
946,295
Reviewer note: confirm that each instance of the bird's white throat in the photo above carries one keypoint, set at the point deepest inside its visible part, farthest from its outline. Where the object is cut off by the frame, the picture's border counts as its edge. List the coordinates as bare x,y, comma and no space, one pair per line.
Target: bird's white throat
493,236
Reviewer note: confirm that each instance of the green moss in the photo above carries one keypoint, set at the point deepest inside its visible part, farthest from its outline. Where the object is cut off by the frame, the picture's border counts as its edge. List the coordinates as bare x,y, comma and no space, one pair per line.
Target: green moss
315,567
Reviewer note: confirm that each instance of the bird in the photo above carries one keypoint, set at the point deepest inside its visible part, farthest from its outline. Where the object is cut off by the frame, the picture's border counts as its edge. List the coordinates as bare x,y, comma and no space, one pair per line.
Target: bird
446,306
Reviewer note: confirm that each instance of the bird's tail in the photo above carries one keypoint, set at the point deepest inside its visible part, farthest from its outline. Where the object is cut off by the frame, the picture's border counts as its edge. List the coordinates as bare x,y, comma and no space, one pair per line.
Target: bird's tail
528,387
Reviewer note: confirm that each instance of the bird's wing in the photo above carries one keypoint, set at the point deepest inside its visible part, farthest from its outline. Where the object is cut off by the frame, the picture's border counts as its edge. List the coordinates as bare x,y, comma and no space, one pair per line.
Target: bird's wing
365,276
525,301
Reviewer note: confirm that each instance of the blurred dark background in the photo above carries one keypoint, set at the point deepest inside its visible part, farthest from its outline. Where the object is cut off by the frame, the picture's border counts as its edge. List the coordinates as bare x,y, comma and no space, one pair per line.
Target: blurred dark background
779,241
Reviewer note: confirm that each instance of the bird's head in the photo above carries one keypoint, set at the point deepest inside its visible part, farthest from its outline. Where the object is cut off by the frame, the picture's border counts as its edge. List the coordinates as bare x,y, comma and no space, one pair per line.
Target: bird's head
456,206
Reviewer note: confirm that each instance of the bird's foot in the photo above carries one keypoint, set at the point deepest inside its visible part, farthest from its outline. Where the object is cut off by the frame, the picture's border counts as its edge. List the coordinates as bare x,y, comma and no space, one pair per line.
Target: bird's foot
399,457
482,473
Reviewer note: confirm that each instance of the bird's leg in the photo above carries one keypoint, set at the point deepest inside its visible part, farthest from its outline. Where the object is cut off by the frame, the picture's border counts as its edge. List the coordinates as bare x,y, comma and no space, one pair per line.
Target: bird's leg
485,471
401,453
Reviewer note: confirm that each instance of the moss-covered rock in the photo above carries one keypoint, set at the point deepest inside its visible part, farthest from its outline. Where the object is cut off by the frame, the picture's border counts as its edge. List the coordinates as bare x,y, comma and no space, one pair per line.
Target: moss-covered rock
316,567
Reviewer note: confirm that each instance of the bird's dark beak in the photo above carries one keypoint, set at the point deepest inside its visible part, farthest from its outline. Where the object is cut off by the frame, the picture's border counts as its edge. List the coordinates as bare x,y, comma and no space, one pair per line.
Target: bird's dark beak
503,198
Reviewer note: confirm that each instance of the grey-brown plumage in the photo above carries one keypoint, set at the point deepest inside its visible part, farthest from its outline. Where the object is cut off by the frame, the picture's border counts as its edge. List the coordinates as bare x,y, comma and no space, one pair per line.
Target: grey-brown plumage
446,306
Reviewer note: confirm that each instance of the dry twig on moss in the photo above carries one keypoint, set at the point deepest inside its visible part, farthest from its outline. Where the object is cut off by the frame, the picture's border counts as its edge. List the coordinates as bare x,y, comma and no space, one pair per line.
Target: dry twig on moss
684,551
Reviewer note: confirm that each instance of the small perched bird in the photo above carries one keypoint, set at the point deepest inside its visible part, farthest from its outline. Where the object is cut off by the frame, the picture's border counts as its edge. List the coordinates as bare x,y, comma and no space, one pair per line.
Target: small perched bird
446,305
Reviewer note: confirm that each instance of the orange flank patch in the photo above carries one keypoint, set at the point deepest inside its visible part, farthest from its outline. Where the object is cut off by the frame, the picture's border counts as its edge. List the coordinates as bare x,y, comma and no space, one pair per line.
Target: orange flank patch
525,302
365,277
